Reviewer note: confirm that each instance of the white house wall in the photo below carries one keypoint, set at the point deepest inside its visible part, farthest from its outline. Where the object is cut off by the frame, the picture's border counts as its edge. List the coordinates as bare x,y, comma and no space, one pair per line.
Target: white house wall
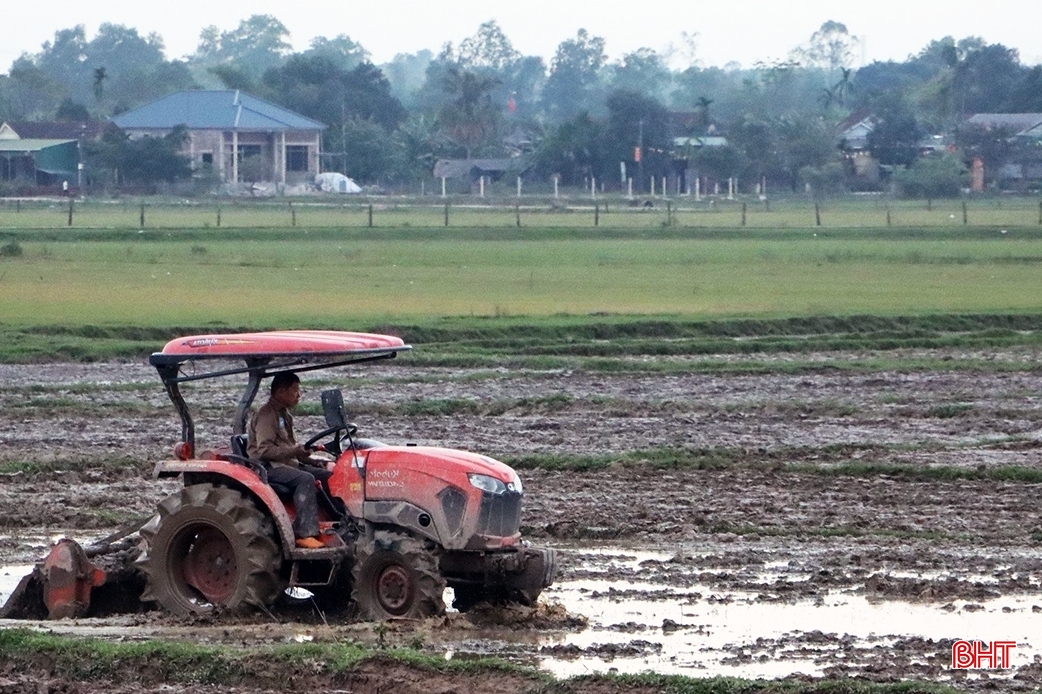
222,144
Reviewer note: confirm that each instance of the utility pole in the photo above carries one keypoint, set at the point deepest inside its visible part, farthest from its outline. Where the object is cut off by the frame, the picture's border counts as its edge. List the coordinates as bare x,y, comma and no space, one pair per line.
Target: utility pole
640,152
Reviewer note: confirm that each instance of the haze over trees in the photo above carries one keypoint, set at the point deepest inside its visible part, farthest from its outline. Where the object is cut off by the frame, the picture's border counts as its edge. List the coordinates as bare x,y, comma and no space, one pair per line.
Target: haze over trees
577,117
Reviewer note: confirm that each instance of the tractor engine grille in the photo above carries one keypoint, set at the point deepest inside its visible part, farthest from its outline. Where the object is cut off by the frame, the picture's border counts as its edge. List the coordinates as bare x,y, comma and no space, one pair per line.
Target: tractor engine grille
453,504
500,514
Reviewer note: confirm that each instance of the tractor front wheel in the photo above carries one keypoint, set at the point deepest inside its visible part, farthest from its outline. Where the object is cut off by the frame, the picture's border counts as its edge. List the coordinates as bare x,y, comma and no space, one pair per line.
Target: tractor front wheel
210,547
395,575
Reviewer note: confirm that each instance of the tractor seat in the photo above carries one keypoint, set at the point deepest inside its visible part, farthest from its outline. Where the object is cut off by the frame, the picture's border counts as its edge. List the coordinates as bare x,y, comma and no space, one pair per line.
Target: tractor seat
240,444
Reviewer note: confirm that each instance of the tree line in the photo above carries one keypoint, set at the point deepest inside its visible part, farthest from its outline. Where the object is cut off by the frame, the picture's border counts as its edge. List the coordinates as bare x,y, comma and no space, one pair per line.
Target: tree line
579,117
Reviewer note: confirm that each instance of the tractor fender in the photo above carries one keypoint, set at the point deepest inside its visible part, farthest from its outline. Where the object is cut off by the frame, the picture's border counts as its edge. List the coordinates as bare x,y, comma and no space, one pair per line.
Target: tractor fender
239,477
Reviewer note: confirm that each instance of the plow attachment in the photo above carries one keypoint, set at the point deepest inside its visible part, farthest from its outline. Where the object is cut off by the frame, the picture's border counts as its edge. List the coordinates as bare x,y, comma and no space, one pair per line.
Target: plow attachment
75,582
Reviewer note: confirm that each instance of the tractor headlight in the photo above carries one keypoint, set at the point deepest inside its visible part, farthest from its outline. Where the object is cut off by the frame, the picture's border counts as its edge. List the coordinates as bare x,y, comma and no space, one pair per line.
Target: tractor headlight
487,484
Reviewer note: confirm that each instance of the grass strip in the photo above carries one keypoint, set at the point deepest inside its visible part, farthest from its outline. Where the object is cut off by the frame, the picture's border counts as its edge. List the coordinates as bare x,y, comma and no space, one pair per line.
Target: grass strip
592,342
330,666
834,462
162,661
62,465
829,461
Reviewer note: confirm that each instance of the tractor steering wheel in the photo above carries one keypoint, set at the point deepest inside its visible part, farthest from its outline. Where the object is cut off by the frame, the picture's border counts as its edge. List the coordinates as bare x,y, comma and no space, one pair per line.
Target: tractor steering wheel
350,430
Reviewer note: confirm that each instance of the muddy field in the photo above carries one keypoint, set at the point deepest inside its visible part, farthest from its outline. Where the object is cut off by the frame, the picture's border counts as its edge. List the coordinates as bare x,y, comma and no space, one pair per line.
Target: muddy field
765,566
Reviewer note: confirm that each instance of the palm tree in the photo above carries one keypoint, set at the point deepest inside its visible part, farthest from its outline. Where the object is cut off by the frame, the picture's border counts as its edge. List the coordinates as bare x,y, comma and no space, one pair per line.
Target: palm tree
702,108
99,82
469,118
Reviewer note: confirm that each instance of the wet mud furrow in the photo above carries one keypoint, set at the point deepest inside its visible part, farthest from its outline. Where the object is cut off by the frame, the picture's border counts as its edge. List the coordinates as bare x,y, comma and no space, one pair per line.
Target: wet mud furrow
764,564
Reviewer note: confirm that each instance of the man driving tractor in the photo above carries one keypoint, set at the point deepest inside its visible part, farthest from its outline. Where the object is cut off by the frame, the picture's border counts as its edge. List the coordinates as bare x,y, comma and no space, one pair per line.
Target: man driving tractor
271,440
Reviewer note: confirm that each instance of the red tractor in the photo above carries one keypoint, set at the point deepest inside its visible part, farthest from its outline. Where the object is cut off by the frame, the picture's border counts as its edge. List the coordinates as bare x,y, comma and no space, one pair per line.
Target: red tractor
399,523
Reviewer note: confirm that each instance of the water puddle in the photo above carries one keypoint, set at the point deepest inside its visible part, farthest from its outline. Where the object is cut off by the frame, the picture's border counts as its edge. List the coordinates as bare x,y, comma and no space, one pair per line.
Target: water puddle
643,618
680,626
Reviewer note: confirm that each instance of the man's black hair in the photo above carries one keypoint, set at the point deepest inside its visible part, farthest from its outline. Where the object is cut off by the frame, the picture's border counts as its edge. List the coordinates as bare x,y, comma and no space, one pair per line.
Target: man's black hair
283,379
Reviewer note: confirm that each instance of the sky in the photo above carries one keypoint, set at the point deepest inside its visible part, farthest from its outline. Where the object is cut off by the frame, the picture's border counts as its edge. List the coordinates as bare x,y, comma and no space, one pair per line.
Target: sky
742,31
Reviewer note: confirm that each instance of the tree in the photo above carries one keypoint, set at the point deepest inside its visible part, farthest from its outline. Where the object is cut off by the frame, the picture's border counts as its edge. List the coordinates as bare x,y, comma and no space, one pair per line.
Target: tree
575,73
895,139
824,181
488,49
343,51
490,54
993,146
702,109
1026,95
633,119
719,87
117,67
573,150
370,153
757,140
406,74
989,76
804,142
253,169
469,118
420,144
642,71
233,78
146,161
69,110
719,162
259,43
831,47
315,86
936,176
31,93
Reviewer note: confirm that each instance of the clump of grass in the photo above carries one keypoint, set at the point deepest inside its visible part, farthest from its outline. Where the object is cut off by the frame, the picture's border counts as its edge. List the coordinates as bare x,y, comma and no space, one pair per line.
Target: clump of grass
949,410
11,249
162,662
439,407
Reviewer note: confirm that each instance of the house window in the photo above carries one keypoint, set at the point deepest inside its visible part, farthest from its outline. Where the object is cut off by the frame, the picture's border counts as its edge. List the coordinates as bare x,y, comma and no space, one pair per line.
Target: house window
208,159
247,151
297,157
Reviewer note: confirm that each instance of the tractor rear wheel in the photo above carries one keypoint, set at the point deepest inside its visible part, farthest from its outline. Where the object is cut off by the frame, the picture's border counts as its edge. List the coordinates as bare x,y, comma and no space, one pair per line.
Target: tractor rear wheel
395,575
210,547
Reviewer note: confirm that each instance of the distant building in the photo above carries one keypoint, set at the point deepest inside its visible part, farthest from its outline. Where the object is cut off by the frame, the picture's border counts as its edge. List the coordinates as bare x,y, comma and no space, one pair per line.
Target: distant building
1024,130
226,127
43,154
1016,123
472,170
852,139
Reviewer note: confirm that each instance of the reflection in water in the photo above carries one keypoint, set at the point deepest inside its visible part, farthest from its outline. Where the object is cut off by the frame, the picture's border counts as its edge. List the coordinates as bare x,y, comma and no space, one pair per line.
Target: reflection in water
695,629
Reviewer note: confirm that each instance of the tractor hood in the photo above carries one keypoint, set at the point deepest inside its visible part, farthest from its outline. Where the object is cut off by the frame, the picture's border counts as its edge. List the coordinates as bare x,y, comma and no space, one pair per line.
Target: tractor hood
446,463
459,499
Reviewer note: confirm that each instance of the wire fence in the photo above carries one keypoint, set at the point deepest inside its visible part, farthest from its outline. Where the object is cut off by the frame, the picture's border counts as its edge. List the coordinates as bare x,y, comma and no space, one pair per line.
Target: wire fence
610,212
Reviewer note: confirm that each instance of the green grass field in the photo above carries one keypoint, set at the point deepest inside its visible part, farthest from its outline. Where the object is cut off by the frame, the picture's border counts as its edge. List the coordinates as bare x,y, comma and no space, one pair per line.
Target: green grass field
162,279
79,281
503,212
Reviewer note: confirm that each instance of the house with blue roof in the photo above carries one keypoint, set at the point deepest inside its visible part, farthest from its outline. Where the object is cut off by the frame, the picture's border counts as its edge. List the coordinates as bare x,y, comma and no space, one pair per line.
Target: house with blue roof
226,127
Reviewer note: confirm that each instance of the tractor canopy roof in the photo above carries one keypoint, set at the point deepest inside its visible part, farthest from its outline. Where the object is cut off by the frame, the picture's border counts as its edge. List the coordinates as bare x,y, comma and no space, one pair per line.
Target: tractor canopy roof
301,346
262,354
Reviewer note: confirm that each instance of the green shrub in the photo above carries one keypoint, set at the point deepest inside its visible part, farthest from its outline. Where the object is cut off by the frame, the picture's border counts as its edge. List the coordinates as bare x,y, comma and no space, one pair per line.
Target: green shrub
934,176
11,249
